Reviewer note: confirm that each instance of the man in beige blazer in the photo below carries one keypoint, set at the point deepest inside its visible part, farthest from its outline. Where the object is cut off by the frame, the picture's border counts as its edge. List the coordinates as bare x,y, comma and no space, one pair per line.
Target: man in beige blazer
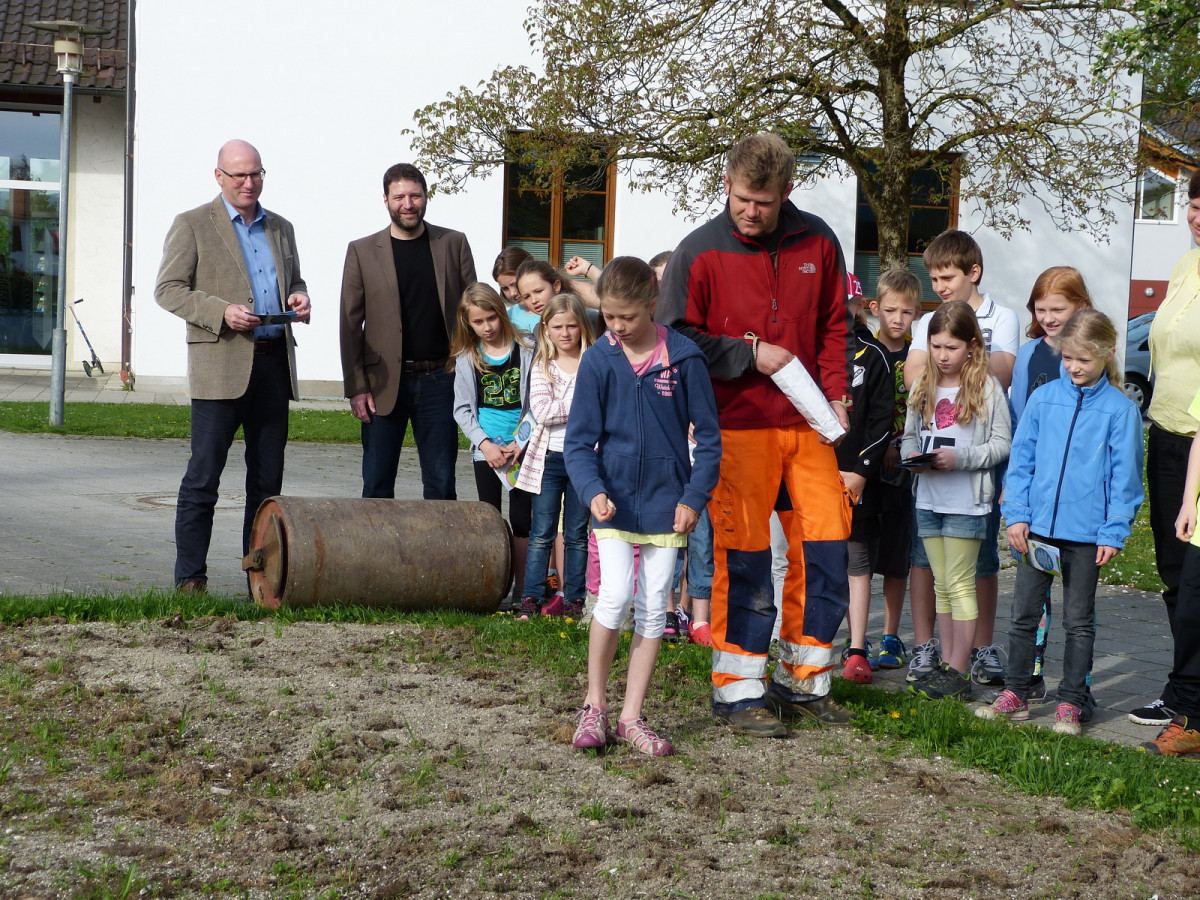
400,293
226,267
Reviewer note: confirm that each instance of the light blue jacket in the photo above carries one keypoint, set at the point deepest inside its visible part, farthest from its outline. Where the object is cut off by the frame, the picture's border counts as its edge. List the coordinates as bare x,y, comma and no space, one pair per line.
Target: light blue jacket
1075,473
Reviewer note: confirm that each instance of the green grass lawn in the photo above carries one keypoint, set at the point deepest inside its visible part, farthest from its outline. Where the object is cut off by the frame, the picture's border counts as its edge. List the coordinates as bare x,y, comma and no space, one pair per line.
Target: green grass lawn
154,420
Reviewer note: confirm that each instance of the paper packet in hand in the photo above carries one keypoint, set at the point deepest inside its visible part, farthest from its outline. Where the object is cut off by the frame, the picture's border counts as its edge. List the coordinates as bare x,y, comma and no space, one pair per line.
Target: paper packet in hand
795,382
508,475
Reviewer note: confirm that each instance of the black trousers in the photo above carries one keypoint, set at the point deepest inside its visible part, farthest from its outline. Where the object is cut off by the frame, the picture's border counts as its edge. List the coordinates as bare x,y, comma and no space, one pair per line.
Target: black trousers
1184,681
1166,470
262,414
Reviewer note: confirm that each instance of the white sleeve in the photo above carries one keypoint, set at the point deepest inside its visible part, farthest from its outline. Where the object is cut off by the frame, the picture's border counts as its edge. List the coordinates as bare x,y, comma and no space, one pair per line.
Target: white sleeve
920,334
1006,331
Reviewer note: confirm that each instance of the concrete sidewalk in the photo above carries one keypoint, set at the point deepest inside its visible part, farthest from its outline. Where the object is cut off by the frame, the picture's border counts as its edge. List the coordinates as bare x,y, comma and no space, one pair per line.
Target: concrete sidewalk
97,515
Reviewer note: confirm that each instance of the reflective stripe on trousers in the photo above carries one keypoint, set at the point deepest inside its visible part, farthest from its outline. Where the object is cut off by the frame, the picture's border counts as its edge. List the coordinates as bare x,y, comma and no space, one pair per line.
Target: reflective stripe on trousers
815,594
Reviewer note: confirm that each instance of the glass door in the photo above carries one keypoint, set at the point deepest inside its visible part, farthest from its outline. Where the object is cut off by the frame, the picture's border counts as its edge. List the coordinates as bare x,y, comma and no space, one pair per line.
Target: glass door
29,246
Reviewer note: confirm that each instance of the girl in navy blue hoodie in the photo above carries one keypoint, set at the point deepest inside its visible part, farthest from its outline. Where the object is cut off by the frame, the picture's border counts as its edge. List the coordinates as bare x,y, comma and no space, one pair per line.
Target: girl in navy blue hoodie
638,388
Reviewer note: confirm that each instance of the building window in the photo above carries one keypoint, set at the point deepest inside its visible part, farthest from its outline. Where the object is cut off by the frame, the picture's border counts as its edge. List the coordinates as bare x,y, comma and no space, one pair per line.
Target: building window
933,207
555,224
29,260
1156,197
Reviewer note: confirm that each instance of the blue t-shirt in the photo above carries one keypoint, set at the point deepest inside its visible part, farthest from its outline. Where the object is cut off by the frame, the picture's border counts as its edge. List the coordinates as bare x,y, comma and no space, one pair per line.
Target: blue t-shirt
498,387
523,319
1043,366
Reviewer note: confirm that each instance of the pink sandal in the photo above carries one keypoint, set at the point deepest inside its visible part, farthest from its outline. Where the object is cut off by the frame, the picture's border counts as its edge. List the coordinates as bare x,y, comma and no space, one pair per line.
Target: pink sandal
637,734
591,728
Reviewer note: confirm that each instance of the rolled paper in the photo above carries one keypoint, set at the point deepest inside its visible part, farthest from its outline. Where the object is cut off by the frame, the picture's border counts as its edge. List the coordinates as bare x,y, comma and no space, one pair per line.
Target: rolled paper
799,387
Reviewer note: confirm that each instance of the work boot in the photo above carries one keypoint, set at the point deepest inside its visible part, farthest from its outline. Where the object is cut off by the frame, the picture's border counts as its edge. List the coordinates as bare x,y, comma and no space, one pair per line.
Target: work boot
823,710
754,721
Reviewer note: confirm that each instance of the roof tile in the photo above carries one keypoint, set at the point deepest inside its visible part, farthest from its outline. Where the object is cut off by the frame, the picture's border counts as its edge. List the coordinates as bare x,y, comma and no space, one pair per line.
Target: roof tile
27,55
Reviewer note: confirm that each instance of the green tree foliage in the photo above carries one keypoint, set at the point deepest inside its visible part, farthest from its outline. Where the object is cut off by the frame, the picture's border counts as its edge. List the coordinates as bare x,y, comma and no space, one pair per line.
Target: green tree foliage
877,89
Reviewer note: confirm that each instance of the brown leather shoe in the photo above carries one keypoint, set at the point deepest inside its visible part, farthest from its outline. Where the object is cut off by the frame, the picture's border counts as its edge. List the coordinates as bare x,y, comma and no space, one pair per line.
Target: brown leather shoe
823,711
192,586
754,721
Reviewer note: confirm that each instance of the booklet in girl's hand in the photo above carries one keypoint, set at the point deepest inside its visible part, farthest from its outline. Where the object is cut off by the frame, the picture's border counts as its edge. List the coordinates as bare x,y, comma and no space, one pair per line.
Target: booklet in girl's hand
1043,557
508,475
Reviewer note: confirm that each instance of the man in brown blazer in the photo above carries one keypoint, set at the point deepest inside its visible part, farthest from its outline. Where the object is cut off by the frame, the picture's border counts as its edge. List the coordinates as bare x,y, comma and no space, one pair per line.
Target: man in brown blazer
226,266
400,293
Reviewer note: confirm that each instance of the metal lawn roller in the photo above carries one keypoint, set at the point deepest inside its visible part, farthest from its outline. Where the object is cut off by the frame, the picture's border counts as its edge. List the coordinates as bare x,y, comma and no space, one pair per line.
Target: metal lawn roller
400,554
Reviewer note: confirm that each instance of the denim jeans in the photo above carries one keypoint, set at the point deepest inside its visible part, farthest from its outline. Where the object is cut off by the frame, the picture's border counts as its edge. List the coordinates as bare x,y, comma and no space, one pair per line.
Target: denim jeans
557,494
987,563
1080,574
427,400
699,560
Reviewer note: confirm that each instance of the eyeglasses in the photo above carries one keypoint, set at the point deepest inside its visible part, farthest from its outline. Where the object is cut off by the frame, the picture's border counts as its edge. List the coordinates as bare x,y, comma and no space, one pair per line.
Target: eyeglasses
242,176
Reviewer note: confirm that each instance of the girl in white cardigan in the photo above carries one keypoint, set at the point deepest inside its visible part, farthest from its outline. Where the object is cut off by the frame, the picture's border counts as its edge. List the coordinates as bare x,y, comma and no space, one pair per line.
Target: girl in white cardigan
564,334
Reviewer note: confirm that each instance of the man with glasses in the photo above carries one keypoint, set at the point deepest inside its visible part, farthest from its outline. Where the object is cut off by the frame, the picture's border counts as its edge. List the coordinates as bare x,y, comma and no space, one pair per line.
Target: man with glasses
400,292
231,271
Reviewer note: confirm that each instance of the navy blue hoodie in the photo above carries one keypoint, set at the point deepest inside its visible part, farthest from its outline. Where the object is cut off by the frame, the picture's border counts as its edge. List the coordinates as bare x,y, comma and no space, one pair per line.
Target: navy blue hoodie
627,436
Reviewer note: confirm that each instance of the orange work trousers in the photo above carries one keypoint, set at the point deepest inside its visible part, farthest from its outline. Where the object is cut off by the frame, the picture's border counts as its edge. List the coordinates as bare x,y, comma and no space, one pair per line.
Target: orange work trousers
791,471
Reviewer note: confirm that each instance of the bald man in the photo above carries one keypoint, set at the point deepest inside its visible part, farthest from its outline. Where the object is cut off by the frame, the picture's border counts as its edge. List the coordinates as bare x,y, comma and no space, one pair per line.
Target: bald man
231,271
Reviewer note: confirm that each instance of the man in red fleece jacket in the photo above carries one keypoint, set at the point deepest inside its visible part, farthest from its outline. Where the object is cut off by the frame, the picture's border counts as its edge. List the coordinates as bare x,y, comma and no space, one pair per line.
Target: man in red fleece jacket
759,285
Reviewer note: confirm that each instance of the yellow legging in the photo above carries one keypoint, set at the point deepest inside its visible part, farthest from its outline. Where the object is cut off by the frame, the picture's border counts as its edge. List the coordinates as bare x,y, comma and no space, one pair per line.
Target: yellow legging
952,560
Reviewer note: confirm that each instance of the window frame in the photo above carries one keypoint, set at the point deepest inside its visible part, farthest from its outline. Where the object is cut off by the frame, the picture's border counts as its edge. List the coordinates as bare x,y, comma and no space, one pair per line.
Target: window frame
1139,200
916,265
558,198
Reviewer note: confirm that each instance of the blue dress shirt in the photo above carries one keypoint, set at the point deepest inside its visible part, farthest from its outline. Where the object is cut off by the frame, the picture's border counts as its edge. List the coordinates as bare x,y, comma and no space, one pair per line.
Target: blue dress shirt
260,264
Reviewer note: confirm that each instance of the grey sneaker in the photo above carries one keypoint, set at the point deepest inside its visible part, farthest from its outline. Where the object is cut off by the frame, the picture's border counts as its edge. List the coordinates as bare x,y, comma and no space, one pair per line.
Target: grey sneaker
924,660
945,684
986,668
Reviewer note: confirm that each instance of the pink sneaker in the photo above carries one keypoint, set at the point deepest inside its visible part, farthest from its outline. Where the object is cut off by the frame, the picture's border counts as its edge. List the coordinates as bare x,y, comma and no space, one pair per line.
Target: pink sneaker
1066,719
1006,706
591,728
554,606
637,734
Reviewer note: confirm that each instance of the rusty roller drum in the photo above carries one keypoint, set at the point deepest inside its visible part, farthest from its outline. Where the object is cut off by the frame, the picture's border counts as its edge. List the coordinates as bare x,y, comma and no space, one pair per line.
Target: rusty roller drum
399,554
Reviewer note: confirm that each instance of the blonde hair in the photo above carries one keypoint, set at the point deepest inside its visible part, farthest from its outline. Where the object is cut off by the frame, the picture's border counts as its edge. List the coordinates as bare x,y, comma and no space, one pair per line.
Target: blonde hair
762,161
482,296
1064,280
562,303
900,283
957,319
1093,332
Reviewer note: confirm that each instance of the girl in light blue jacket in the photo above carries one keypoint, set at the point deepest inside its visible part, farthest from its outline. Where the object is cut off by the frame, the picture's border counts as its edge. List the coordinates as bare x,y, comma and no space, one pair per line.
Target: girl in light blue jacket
1074,486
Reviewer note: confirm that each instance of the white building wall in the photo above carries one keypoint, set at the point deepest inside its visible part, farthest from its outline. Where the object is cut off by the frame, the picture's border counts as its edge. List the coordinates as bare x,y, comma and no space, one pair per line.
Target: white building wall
1157,246
94,234
327,107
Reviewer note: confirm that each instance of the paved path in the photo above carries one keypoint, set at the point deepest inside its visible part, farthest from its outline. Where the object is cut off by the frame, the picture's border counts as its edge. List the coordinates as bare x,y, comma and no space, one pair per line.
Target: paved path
97,514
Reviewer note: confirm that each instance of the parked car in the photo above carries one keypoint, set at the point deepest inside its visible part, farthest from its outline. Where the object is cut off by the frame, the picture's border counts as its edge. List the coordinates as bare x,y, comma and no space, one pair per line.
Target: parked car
1139,384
